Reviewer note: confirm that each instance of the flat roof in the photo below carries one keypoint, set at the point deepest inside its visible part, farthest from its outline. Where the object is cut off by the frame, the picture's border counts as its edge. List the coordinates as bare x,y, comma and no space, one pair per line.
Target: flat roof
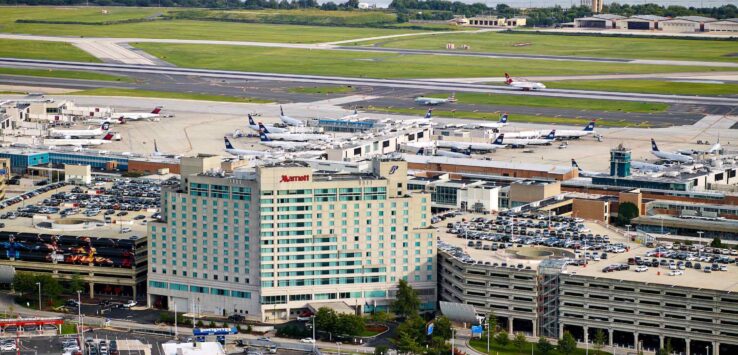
422,159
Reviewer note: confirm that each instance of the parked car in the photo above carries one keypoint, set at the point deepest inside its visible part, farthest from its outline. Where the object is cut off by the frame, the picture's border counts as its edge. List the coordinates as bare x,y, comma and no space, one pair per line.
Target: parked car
642,268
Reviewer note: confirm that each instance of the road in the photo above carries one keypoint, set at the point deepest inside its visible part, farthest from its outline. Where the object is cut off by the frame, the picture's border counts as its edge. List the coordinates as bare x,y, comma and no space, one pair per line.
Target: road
393,83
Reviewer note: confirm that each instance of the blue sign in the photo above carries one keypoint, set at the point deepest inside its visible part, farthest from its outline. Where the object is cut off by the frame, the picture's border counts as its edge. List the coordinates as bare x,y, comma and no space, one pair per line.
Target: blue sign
430,328
476,329
214,331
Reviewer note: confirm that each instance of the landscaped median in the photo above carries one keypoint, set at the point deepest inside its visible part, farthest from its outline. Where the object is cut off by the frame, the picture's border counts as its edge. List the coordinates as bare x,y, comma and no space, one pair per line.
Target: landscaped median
502,343
492,116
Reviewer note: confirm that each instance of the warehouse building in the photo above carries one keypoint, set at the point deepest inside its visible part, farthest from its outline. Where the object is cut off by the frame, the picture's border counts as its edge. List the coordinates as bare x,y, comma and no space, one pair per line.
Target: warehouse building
727,25
601,21
686,24
641,22
272,242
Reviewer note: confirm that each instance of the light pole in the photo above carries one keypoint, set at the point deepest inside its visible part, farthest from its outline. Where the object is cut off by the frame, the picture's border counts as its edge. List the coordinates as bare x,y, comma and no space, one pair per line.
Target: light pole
313,317
453,339
627,226
39,295
707,350
176,336
339,347
79,320
700,234
488,331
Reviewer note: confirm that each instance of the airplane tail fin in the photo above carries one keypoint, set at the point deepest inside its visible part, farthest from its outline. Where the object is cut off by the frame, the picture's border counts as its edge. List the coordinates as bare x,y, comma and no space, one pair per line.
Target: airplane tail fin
429,114
654,147
551,135
421,151
467,151
263,128
264,137
281,111
508,80
156,110
105,126
156,147
228,144
108,137
503,118
452,98
251,120
122,120
499,139
575,165
590,127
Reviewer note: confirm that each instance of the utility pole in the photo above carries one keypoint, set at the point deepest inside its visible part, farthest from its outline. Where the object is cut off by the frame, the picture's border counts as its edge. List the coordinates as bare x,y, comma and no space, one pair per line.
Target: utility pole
79,321
314,333
176,335
39,295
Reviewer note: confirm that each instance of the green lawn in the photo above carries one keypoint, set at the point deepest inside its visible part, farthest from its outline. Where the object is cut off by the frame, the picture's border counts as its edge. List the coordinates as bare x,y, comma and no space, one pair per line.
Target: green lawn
66,74
556,102
93,14
43,50
297,16
648,87
167,95
69,328
324,90
377,65
587,46
510,349
491,116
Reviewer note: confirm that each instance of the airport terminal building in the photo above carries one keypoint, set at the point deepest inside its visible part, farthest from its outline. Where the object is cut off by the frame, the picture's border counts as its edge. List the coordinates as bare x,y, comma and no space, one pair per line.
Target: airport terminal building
271,242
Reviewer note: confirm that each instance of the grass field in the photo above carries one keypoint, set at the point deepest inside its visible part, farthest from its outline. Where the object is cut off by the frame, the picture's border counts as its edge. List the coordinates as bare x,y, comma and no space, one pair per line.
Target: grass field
510,349
579,46
168,95
492,116
65,74
377,65
175,29
325,90
43,50
298,16
648,87
557,102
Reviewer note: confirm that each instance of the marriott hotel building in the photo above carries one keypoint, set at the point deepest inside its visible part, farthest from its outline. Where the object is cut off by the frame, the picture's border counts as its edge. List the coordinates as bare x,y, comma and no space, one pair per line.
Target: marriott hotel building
273,241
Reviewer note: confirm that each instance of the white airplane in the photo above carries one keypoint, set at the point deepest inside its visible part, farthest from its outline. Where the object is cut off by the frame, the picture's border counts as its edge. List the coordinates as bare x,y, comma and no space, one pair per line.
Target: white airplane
547,140
715,149
79,142
266,141
79,133
353,116
670,156
432,101
525,134
135,116
477,147
426,120
157,153
576,134
256,127
104,120
445,153
643,166
243,152
524,85
499,124
294,137
289,120
583,172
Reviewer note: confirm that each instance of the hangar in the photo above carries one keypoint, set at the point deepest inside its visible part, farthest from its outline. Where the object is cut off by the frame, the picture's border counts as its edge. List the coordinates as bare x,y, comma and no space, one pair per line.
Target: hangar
686,24
727,25
641,22
603,21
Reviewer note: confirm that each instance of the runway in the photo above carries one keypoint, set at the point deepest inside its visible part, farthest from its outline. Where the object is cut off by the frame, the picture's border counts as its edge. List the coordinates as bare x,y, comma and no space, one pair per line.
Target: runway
427,85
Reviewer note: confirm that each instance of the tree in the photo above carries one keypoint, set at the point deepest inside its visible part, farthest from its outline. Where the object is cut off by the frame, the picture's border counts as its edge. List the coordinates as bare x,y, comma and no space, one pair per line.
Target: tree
567,344
502,338
626,212
519,341
381,350
350,324
716,243
406,344
381,317
442,328
492,320
326,320
414,326
75,284
24,282
599,341
544,346
407,302
667,349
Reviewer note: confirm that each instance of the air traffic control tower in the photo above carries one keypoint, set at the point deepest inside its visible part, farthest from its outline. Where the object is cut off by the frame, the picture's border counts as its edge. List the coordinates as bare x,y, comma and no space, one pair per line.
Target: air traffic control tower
620,161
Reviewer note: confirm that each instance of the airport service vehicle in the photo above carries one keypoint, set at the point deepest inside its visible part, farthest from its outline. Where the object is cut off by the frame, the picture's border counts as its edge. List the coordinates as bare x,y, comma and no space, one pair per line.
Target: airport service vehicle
135,116
547,140
243,152
266,141
523,84
79,133
256,127
289,120
669,156
79,142
432,101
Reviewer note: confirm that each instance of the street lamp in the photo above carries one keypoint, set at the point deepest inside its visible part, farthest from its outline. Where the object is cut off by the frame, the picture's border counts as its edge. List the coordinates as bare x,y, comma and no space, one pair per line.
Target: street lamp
488,331
707,350
79,320
39,295
313,317
700,234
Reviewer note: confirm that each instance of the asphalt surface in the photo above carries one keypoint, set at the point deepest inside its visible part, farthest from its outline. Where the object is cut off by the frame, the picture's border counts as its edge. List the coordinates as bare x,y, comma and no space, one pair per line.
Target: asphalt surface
393,83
